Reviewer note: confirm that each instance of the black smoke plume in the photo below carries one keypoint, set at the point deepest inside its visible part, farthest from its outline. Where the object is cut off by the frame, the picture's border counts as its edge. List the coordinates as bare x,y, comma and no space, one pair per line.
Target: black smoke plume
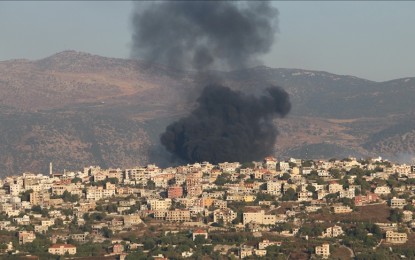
199,34
227,126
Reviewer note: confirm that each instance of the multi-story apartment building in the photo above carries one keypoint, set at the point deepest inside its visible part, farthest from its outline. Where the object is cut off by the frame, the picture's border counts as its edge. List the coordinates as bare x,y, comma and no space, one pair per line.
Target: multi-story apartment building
382,190
162,204
342,209
178,215
365,199
335,187
26,237
396,237
349,193
175,192
334,231
226,215
259,217
62,249
397,203
274,187
39,198
323,250
407,216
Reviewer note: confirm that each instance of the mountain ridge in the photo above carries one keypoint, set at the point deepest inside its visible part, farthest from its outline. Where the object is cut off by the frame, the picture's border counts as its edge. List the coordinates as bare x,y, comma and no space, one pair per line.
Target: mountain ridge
98,98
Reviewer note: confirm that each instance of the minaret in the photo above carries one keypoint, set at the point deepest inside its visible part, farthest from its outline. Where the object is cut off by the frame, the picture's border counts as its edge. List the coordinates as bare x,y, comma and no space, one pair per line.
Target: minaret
50,169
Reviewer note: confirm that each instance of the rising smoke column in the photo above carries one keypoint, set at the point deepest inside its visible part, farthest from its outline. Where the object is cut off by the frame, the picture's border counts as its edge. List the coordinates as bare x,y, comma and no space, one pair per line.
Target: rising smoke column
227,125
199,34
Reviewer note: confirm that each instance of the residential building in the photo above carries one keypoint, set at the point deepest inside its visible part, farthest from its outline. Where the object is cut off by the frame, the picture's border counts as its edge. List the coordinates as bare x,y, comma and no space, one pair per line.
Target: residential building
226,215
199,232
245,251
174,192
396,237
335,187
382,190
365,199
266,243
61,249
304,196
407,216
178,215
156,204
258,217
323,250
397,203
342,209
349,193
334,231
26,237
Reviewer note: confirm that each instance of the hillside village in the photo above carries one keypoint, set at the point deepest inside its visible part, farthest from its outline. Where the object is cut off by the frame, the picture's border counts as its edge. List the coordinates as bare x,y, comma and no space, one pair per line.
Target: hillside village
336,209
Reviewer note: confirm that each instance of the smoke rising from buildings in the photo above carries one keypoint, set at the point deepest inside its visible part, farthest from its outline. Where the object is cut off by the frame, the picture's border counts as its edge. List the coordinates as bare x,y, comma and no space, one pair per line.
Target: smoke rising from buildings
227,125
202,34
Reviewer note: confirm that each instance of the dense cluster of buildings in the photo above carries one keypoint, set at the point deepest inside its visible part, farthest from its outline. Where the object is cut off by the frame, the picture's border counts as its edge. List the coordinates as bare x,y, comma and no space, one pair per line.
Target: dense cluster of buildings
204,195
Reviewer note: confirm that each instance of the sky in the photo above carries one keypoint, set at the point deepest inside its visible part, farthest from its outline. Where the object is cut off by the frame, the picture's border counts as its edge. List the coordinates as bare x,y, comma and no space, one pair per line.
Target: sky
373,40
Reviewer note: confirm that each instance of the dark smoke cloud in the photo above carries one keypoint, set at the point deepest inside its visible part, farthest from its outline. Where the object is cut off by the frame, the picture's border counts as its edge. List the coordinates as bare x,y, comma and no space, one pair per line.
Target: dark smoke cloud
199,34
227,126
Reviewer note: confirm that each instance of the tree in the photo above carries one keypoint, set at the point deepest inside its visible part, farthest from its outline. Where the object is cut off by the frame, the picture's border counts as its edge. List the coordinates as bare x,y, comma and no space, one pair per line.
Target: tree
409,207
106,232
151,185
311,188
222,179
248,165
37,209
263,196
67,212
307,163
335,173
149,243
312,231
285,176
68,197
290,194
76,179
98,216
396,215
292,164
171,182
200,240
58,222
221,223
111,208
86,217
347,202
331,197
207,250
25,196
392,181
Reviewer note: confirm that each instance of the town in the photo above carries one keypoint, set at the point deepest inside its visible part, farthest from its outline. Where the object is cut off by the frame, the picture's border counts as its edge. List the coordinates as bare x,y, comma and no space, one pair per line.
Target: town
293,209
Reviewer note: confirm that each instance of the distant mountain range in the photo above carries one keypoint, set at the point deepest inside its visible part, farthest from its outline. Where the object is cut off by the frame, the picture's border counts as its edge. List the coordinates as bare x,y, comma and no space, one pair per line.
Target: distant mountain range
76,109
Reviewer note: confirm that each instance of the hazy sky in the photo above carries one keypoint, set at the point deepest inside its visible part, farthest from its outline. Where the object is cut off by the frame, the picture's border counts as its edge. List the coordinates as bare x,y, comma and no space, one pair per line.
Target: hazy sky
372,40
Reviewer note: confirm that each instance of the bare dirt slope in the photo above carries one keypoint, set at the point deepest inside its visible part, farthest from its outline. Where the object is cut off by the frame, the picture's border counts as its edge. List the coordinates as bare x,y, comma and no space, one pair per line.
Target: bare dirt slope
77,109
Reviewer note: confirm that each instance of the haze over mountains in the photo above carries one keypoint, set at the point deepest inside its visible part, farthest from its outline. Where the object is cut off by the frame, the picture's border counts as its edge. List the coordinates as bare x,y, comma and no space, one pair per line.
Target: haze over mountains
75,109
